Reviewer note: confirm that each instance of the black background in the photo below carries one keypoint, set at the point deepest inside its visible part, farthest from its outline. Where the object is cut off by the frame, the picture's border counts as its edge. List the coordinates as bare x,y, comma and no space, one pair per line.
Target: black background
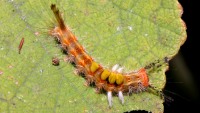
183,76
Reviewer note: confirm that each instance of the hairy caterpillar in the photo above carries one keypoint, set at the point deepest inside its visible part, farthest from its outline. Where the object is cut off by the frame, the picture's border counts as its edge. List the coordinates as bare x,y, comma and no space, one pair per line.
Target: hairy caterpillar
111,81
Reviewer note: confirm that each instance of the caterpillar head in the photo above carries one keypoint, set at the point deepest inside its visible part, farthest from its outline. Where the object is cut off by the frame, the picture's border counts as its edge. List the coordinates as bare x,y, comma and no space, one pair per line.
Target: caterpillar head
136,81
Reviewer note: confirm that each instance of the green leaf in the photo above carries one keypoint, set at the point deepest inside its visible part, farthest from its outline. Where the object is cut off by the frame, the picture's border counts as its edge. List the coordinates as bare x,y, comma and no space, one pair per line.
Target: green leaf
132,33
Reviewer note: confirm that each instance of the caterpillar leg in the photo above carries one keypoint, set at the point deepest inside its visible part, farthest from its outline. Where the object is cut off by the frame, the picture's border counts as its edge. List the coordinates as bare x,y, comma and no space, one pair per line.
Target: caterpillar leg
121,97
120,94
109,94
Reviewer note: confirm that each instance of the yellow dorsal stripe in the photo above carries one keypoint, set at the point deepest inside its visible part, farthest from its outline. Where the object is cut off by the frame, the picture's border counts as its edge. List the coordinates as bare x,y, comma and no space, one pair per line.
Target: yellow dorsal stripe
94,66
112,78
119,79
105,74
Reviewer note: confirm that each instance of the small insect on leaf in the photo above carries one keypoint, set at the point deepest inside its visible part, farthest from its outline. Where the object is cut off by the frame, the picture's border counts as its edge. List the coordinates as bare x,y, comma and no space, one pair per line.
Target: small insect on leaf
55,61
21,44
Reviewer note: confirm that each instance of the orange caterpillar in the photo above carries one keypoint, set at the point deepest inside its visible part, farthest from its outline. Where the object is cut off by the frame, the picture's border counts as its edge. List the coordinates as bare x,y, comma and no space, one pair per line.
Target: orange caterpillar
113,81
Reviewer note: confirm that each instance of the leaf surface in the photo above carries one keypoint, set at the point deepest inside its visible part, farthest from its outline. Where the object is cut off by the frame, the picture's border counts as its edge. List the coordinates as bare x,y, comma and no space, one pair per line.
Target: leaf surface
132,33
